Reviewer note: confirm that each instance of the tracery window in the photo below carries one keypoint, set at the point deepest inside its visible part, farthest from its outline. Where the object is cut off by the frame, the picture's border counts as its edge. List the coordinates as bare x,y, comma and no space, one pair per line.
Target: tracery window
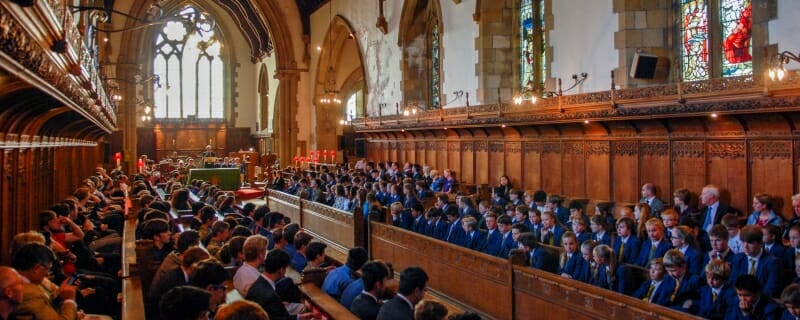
190,69
435,70
533,43
734,27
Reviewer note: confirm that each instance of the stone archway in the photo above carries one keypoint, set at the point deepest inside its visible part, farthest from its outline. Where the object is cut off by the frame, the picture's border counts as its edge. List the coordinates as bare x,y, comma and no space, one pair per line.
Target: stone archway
341,68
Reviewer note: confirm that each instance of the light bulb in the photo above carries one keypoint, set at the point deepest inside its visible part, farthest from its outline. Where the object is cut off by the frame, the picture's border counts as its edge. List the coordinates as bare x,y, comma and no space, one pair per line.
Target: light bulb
518,100
144,118
772,74
781,73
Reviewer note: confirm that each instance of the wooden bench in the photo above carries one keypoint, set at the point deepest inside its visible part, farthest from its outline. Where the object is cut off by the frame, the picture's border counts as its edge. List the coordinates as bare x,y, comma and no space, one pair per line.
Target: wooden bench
323,303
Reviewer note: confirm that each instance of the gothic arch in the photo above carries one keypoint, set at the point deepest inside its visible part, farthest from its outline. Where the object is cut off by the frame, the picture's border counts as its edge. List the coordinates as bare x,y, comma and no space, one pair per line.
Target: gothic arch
340,68
416,20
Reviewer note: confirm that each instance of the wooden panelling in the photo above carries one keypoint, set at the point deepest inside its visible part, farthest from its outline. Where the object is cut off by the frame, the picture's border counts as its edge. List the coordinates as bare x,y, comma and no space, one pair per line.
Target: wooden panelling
625,176
513,162
573,169
531,165
552,175
771,170
728,166
329,223
287,204
481,172
497,161
688,165
598,170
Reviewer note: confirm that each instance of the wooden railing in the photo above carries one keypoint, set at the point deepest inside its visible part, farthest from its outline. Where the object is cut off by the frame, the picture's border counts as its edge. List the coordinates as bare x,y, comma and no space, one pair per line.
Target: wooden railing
132,292
465,278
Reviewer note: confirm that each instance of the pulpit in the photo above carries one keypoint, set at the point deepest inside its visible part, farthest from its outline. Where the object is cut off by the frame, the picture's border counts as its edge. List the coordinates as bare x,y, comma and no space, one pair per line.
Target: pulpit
250,159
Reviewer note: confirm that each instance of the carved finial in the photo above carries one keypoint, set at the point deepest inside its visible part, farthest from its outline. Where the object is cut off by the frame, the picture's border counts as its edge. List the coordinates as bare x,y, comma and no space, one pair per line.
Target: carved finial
381,24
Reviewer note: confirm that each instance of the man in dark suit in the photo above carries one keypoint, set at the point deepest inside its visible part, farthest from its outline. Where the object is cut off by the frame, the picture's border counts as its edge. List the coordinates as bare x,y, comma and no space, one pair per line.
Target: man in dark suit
649,197
413,282
713,210
754,261
174,278
367,304
208,163
263,290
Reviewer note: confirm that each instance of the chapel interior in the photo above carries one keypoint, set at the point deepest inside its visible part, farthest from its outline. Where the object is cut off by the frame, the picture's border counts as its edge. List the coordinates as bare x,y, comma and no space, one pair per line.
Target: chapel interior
587,99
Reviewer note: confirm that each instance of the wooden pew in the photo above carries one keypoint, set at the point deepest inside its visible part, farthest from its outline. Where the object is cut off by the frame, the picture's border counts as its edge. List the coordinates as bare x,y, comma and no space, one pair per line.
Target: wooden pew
284,203
325,304
132,293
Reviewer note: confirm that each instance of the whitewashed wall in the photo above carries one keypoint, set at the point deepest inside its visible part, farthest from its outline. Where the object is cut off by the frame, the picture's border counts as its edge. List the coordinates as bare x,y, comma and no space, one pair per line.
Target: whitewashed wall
784,30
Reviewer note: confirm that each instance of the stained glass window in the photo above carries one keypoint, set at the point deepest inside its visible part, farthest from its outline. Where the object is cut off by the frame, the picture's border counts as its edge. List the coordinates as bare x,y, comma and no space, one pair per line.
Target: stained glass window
190,69
532,43
435,65
694,34
737,24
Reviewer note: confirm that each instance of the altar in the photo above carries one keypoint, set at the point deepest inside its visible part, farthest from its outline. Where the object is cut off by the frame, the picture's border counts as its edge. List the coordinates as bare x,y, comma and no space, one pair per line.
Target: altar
225,178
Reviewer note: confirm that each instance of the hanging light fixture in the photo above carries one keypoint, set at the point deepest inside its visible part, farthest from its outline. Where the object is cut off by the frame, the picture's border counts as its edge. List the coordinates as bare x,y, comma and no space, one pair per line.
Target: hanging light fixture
330,96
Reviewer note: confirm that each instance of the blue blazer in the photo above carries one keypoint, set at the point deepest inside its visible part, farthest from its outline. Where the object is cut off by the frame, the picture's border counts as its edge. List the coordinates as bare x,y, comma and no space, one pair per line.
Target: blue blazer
602,279
418,225
728,257
606,239
494,243
778,249
686,291
539,259
631,252
768,272
405,220
562,215
500,201
574,266
456,235
558,231
715,310
644,251
764,309
583,236
476,240
439,229
694,261
661,295
507,244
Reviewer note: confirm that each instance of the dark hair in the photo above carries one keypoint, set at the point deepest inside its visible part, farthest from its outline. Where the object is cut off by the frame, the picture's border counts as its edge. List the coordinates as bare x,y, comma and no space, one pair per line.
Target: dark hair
29,255
241,230
184,303
45,216
752,234
429,310
207,213
248,208
356,257
314,250
539,196
193,255
276,259
522,227
527,239
373,272
575,204
274,218
748,283
154,227
61,209
301,239
464,316
719,231
260,213
791,295
417,207
231,249
208,272
504,219
412,278
289,231
188,239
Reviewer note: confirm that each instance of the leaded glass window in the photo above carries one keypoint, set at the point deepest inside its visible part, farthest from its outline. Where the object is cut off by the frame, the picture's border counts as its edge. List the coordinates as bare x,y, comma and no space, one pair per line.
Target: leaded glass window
694,34
737,24
532,43
435,65
190,68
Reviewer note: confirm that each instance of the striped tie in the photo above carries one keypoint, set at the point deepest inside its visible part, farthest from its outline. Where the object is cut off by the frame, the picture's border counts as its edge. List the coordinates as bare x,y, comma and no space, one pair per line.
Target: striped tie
621,250
649,292
752,271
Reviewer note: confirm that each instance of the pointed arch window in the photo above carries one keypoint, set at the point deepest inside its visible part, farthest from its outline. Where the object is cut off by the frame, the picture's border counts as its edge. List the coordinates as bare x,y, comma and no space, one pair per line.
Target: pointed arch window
435,61
533,44
697,31
190,67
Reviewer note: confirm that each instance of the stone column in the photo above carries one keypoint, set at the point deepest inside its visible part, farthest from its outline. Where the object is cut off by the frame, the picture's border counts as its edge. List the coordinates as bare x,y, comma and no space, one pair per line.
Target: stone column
286,104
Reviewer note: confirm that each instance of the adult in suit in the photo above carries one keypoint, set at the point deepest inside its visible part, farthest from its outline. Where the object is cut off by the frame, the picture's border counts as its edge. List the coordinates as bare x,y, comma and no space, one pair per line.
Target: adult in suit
649,197
754,261
656,246
626,244
494,237
173,278
713,210
537,257
752,302
34,261
366,305
411,290
211,155
12,286
551,232
263,290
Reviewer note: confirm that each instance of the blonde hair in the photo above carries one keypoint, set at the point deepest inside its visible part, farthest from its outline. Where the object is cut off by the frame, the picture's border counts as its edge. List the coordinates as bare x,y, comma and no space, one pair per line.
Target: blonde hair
241,310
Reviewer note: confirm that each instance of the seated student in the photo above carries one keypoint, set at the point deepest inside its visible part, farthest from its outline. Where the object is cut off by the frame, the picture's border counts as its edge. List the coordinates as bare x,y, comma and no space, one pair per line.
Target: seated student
466,208
657,289
682,240
754,261
419,222
430,310
455,232
400,217
33,261
585,273
599,233
793,251
626,244
476,239
498,197
551,232
210,275
494,238
791,300
220,232
570,263
516,230
367,304
579,228
603,268
422,191
536,257
521,214
158,231
506,236
731,223
263,290
240,310
535,221
255,250
413,283
338,279
515,197
773,242
553,205
684,284
717,296
719,246
298,258
751,302
184,303
670,219
656,245
436,226
176,277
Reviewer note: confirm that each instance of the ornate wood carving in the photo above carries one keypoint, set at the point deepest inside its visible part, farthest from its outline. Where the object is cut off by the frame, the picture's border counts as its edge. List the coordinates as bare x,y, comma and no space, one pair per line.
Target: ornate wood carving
328,211
726,150
481,146
688,149
598,148
654,148
551,147
496,147
514,147
431,145
532,147
574,148
442,145
625,148
467,146
453,146
771,150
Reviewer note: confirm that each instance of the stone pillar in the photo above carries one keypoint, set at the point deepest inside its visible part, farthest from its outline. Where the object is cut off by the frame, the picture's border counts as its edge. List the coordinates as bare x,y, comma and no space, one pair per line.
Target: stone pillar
286,131
645,26
127,113
498,65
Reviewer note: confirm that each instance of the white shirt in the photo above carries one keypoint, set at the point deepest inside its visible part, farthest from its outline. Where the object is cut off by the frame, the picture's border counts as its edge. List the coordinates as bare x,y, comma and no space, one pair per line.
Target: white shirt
244,278
410,305
735,243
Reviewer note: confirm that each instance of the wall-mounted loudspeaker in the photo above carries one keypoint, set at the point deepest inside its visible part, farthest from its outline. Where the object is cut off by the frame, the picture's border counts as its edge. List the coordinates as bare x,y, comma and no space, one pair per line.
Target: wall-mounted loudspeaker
643,66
